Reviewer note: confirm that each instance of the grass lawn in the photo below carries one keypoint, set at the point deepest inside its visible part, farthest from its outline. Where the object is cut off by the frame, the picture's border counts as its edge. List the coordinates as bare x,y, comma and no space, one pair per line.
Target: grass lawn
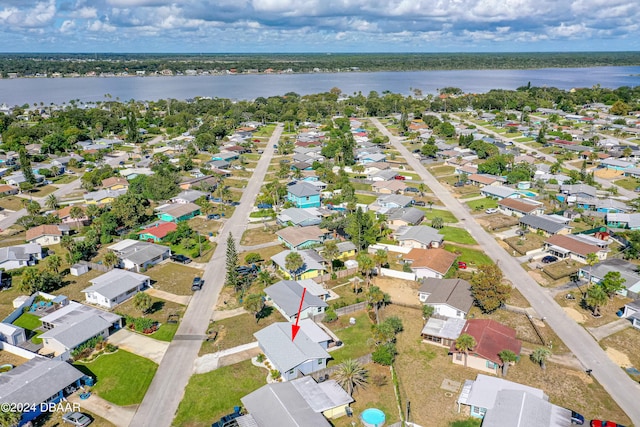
523,139
209,396
457,235
260,235
12,203
482,204
441,170
532,241
355,337
446,216
361,186
627,183
264,130
365,198
43,191
159,312
347,296
11,359
235,183
165,332
470,256
30,322
414,176
626,342
64,179
173,277
122,377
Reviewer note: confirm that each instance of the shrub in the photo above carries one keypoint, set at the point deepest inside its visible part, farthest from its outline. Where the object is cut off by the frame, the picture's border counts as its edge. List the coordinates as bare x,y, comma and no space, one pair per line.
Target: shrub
330,315
260,358
110,348
275,374
385,354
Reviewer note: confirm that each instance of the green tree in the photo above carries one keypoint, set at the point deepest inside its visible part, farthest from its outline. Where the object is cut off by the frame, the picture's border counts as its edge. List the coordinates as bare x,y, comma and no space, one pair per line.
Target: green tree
254,303
385,354
362,228
31,280
380,259
110,259
331,251
293,262
487,288
507,356
10,419
252,258
596,298
232,263
427,311
130,209
465,343
620,108
591,259
51,202
612,282
33,207
25,165
365,264
540,356
376,298
264,278
142,302
351,375
437,223
76,212
53,262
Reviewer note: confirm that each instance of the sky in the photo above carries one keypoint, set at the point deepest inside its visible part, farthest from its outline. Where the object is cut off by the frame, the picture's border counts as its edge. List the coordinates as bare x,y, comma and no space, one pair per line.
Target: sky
262,26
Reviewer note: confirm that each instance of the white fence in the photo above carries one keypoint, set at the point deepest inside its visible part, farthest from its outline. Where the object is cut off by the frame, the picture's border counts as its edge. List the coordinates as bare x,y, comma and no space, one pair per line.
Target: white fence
397,274
16,350
390,248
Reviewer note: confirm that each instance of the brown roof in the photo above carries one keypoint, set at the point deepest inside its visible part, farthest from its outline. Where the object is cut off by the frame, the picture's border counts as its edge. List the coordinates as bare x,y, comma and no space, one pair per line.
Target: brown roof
482,179
66,211
114,180
572,244
43,230
453,292
491,338
434,259
379,165
520,205
4,188
395,185
298,235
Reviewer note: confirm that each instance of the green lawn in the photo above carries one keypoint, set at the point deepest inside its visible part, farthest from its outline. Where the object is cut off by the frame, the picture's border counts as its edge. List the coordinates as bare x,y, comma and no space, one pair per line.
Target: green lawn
166,332
122,378
214,394
64,179
470,256
413,176
361,186
238,330
627,183
30,322
481,204
365,198
446,216
524,139
457,235
355,337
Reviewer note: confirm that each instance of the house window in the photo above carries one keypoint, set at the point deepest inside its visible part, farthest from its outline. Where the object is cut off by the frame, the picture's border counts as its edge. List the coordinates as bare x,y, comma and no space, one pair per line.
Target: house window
320,361
307,198
458,313
319,309
491,365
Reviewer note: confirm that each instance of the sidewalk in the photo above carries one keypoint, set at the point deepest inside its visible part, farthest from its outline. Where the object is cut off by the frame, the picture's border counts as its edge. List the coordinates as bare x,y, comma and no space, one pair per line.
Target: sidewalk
139,344
210,362
611,328
119,416
225,314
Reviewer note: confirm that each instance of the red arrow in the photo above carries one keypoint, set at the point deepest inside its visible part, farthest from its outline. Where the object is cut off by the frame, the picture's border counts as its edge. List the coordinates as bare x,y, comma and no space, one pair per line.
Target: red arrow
295,328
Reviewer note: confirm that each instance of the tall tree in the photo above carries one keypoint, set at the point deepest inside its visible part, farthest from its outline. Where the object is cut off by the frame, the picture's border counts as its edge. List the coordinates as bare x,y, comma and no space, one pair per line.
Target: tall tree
365,264
376,299
232,278
25,165
110,259
143,302
331,252
51,202
465,343
612,282
591,259
293,262
351,375
596,298
507,356
487,288
76,212
254,303
31,280
53,262
540,356
380,258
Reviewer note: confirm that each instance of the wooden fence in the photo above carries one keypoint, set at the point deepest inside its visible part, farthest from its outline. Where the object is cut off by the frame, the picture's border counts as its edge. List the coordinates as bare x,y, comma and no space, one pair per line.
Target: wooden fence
324,373
340,274
96,266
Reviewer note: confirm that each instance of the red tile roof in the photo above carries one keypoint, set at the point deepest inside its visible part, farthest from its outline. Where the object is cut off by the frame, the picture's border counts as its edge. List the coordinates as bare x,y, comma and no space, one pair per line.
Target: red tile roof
160,230
491,338
435,259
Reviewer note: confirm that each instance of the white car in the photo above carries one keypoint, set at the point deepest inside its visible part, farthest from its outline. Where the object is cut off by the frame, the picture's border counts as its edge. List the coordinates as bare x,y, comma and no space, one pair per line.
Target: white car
491,211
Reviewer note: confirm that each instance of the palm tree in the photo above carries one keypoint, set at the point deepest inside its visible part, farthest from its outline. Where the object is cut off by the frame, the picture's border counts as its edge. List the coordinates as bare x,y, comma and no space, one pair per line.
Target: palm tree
437,223
376,298
380,258
93,211
507,356
591,260
366,266
596,297
254,303
351,375
293,262
465,343
540,356
33,207
51,202
55,170
110,259
331,252
54,262
30,280
142,302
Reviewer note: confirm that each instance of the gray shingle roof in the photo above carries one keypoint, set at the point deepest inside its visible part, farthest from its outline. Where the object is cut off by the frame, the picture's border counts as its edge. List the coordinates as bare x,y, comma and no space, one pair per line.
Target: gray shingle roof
115,282
19,252
517,408
410,215
190,195
303,189
395,199
541,222
453,292
286,294
285,354
299,216
36,380
485,390
420,233
498,191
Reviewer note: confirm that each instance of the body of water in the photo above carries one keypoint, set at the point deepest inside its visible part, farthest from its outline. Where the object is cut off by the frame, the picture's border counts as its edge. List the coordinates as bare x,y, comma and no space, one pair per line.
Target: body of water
250,86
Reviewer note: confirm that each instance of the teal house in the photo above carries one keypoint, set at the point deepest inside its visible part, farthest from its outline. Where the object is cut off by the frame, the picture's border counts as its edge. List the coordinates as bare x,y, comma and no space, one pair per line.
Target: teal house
304,195
177,212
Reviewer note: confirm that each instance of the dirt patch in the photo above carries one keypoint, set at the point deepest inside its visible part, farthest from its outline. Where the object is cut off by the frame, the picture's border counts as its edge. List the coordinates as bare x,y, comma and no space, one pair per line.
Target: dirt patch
618,357
538,277
574,314
403,292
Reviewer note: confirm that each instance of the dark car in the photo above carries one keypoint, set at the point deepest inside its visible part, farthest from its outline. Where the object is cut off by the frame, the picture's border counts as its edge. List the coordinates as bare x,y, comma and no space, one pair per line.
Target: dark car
411,190
76,419
577,418
459,184
265,206
419,203
213,216
248,269
181,259
196,285
549,259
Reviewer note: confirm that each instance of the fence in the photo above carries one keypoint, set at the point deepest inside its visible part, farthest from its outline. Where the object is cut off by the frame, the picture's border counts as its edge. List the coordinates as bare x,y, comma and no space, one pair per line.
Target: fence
397,274
16,350
96,266
351,308
387,247
363,360
339,274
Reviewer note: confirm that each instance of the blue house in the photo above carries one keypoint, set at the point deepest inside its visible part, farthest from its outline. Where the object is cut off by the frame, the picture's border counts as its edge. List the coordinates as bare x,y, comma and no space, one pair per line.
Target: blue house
304,195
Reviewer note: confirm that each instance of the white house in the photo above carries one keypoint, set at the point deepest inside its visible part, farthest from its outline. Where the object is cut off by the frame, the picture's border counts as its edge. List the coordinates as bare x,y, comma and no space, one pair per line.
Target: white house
136,255
115,287
286,296
12,334
12,257
448,297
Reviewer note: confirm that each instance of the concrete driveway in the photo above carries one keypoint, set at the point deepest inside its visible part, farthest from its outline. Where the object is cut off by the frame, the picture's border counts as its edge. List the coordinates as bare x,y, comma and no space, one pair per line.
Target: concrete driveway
119,416
139,344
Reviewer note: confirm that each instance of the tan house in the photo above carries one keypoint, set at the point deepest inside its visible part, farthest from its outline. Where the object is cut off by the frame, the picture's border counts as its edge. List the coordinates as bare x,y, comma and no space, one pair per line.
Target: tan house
575,247
520,207
388,187
481,179
44,235
115,183
65,215
430,262
7,190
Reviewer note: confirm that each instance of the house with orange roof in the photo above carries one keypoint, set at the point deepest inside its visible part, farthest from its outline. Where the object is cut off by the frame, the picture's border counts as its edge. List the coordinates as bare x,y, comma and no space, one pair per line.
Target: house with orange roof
115,183
157,231
44,235
65,215
7,190
430,262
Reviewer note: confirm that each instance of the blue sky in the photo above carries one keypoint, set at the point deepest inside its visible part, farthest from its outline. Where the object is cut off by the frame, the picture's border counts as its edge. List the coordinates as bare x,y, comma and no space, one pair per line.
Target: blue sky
318,25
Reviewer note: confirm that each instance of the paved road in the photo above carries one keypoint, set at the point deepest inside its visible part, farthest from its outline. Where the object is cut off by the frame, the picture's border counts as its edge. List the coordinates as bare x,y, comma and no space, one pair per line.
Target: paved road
621,388
167,388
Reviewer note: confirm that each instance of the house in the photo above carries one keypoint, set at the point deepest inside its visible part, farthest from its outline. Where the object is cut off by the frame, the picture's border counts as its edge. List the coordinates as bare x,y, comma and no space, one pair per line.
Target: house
313,264
188,196
304,195
628,272
303,237
499,192
520,207
448,297
430,262
299,217
205,182
418,236
481,395
157,231
545,224
115,287
393,201
346,250
12,334
226,156
115,183
623,220
518,408
39,380
65,215
372,158
632,313
403,217
301,402
442,332
74,324
491,338
132,173
575,247
572,191
482,180
44,235
17,178
18,256
137,256
615,164
292,358
383,175
8,190
389,187
286,296
177,212
103,196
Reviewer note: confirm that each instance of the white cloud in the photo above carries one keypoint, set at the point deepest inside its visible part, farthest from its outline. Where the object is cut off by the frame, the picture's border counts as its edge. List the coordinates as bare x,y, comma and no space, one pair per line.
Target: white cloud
40,15
67,26
99,26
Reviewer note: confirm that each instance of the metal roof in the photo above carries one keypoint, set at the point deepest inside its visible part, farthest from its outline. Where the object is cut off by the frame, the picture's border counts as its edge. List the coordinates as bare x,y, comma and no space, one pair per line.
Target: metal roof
286,294
303,189
116,282
542,223
518,408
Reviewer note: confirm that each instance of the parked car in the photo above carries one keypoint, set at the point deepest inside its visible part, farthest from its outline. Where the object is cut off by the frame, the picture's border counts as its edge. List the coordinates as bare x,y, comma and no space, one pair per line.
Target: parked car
213,216
491,211
459,184
181,259
411,190
76,419
400,177
601,423
196,285
462,265
248,269
419,203
265,206
577,418
549,259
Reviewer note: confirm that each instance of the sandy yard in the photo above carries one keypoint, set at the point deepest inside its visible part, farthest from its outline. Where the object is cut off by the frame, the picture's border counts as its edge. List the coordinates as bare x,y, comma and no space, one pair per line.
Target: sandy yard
618,357
537,276
401,291
574,314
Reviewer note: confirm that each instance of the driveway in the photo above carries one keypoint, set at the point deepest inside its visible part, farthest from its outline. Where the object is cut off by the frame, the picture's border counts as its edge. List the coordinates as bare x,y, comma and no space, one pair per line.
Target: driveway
119,416
619,386
167,296
139,344
167,388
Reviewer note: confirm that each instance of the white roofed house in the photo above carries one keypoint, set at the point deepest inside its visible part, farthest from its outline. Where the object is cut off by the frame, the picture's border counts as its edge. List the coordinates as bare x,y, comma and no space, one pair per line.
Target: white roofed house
448,297
12,257
137,255
286,296
115,287
419,236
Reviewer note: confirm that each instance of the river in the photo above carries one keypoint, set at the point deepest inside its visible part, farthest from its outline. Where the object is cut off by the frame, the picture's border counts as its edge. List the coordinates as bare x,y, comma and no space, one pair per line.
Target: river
250,86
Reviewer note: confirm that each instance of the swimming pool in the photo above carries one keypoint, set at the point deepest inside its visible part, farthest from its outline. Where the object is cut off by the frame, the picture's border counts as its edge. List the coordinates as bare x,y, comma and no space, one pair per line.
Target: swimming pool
527,193
373,417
